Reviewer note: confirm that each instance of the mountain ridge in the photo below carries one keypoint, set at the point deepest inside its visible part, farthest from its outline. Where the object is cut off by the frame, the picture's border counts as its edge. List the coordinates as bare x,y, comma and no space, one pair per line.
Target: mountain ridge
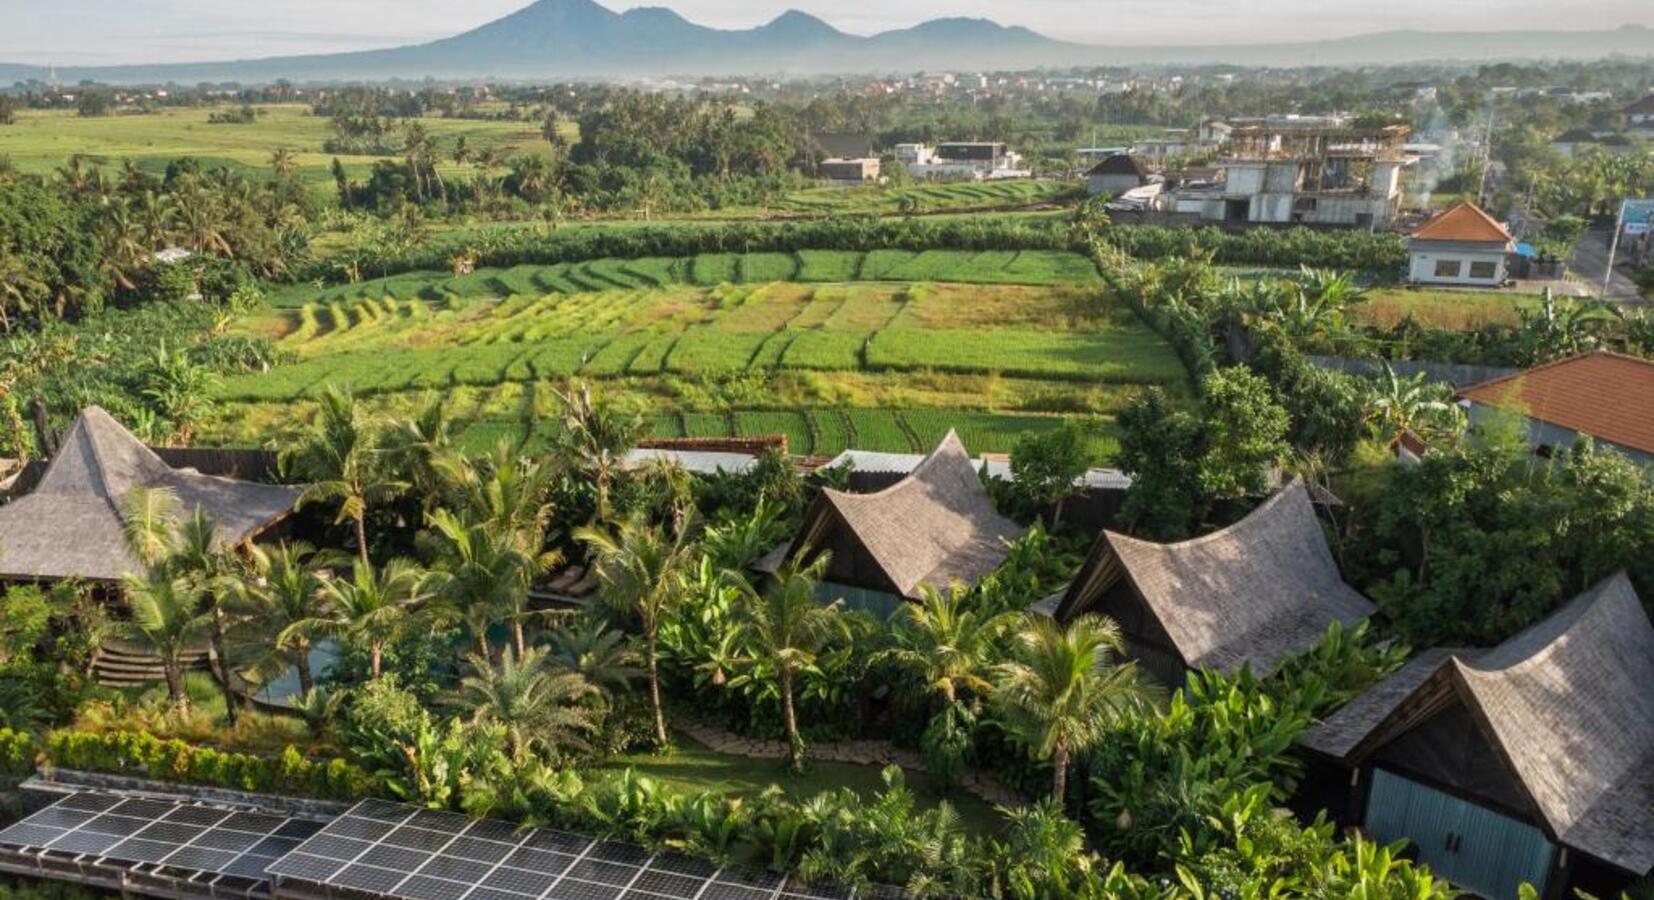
552,39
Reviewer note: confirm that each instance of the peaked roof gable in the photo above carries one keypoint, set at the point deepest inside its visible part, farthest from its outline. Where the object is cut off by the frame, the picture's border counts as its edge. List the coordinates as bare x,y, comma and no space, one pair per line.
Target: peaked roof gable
934,527
1119,164
72,525
1609,396
1465,223
1567,704
1256,592
1643,107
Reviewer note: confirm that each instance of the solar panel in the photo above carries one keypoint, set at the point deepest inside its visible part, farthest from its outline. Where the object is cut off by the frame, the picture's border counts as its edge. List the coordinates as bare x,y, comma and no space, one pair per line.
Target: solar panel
407,853
185,841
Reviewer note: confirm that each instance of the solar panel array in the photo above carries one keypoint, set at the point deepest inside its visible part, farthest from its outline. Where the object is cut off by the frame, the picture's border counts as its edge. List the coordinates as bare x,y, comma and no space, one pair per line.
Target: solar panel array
408,853
187,841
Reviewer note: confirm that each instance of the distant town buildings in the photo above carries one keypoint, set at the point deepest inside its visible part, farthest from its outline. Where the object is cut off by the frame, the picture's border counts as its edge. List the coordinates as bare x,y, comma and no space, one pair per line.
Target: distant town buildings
961,159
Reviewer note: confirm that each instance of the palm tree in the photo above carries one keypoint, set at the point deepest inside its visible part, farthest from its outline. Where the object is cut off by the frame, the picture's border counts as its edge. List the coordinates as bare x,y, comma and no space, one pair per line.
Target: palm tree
168,618
1061,688
484,575
284,162
784,630
538,708
589,647
180,389
284,587
340,457
371,609
184,551
641,573
19,287
596,436
418,445
946,643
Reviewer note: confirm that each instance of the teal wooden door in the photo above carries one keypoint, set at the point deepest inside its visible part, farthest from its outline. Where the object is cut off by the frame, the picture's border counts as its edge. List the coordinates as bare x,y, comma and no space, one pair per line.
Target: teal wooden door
1475,848
1497,854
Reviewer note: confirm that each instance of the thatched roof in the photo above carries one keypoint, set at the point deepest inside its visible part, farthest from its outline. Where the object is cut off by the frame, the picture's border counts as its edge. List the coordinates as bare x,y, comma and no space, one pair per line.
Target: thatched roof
937,526
71,524
1258,591
1568,703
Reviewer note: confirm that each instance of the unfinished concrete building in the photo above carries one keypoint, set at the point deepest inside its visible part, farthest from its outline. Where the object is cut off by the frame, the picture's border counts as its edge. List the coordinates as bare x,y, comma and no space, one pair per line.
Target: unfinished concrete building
1311,171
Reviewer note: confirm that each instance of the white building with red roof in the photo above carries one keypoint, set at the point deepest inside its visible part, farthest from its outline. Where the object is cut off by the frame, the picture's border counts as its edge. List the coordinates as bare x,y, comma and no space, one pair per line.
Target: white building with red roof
1461,246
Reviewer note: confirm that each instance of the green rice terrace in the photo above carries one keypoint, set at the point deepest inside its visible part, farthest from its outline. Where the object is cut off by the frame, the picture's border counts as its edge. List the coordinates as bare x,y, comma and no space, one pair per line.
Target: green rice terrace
882,350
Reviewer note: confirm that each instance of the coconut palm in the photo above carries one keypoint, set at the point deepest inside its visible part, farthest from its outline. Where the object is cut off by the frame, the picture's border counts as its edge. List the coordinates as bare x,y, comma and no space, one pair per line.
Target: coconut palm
1061,688
284,586
640,570
184,550
418,445
168,617
484,575
947,644
340,456
784,630
596,435
370,609
503,487
536,706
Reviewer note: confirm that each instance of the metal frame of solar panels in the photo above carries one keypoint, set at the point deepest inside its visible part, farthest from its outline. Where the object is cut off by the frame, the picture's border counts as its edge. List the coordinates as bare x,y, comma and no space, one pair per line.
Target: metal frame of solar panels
390,850
163,848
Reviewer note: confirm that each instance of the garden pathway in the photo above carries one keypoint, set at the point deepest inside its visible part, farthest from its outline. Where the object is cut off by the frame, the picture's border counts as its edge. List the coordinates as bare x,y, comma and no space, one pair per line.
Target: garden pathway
864,753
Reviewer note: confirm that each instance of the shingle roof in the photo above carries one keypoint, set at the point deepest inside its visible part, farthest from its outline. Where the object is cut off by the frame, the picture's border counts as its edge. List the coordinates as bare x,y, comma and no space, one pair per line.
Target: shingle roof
1643,107
1256,592
71,525
1567,702
937,526
1464,222
1606,395
1119,164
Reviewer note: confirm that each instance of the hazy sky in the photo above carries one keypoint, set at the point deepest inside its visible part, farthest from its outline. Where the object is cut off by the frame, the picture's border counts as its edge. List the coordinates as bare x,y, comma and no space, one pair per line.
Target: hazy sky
91,32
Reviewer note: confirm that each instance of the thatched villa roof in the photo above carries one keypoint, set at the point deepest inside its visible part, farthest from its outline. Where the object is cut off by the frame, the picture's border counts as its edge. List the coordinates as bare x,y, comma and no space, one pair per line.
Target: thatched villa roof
1258,591
1569,705
71,524
935,527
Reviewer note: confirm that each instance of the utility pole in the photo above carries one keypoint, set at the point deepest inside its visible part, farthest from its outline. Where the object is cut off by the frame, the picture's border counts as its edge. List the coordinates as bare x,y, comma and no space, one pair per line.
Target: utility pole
1487,154
1613,248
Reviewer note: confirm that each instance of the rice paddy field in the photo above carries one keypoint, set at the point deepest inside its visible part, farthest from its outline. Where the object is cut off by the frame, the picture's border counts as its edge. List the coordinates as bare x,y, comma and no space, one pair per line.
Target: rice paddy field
42,140
883,350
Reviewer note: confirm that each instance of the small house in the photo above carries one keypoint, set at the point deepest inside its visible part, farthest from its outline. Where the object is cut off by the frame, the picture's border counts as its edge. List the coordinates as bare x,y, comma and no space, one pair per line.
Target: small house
73,523
1254,593
1115,176
1608,397
1461,246
936,527
1532,762
850,171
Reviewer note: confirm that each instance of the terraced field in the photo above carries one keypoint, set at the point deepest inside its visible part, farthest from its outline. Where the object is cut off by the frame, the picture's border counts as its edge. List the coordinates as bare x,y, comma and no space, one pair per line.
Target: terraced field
882,350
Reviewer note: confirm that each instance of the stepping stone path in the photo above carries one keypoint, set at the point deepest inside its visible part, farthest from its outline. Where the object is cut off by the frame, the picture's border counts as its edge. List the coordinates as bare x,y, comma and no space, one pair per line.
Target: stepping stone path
861,753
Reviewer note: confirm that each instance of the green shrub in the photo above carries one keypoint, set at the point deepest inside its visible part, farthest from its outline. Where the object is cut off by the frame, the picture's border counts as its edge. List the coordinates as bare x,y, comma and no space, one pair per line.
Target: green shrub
143,755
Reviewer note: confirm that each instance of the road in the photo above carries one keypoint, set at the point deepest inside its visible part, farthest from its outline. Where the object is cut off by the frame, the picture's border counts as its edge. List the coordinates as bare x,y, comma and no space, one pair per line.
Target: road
1591,258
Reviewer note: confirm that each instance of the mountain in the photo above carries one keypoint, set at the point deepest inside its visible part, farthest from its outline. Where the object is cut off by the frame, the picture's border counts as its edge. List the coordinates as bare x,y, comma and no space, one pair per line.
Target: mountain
582,39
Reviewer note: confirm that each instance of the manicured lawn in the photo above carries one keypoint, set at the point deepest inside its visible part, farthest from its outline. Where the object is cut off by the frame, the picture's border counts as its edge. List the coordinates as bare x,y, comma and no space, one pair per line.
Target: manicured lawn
695,768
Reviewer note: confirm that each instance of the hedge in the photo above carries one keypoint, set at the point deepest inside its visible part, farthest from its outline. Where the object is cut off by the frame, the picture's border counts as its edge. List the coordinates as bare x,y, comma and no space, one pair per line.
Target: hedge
143,755
1379,252
507,247
18,752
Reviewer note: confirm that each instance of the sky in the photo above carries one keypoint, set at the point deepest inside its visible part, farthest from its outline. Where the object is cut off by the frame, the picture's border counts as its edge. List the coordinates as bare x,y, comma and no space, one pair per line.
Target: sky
105,32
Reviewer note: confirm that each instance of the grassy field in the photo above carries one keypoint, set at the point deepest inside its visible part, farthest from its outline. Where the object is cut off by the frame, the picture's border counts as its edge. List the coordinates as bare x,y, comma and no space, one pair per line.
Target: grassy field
1466,310
695,768
996,344
42,140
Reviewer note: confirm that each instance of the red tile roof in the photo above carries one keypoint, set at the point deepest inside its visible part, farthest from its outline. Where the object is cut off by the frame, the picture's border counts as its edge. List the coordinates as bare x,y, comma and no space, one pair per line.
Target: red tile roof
1463,222
1605,395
